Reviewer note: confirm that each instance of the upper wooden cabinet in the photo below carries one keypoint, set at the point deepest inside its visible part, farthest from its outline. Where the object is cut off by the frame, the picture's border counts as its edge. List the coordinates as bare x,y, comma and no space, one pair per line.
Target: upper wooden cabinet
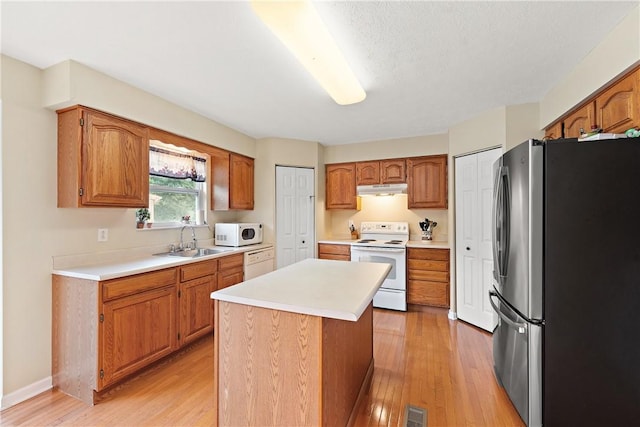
427,182
102,160
232,181
368,173
341,186
617,108
614,110
579,121
554,131
241,176
393,171
381,172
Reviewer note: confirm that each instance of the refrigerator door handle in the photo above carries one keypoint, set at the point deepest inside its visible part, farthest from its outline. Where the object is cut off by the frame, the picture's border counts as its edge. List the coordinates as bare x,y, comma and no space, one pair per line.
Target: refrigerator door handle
501,224
520,327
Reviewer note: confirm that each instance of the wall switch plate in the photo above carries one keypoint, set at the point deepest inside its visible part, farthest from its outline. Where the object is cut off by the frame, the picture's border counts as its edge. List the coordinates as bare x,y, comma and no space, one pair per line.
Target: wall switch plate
103,234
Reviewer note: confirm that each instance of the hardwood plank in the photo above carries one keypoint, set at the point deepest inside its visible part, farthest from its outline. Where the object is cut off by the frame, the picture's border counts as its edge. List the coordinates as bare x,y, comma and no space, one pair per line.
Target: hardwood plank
421,358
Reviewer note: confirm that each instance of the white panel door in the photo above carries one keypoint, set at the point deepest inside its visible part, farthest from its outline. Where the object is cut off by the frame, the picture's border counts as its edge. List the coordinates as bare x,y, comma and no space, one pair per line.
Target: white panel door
474,256
295,215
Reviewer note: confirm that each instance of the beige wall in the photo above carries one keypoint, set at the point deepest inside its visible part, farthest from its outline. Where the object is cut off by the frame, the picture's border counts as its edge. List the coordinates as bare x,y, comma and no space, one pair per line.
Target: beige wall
503,127
617,52
387,149
71,83
272,152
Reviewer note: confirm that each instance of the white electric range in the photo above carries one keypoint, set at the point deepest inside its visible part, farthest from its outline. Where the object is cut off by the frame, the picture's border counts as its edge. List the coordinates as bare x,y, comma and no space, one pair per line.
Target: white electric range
385,242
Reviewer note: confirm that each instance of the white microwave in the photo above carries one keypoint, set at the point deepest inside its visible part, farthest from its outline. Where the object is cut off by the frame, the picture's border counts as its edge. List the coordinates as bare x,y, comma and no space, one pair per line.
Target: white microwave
238,234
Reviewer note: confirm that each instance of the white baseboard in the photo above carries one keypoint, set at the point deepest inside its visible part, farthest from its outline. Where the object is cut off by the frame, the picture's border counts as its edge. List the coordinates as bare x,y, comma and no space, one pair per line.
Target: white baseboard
27,392
452,315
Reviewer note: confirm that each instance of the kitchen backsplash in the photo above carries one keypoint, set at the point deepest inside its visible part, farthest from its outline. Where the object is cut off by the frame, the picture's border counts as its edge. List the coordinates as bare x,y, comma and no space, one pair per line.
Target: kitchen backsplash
387,208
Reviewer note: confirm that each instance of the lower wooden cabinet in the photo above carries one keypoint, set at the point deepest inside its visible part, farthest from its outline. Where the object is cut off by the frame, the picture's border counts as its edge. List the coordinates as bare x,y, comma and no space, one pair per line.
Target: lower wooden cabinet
135,331
104,331
428,277
230,270
334,251
197,281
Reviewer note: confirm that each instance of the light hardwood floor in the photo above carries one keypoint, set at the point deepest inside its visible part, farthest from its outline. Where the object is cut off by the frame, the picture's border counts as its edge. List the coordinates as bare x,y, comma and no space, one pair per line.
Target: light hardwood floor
421,358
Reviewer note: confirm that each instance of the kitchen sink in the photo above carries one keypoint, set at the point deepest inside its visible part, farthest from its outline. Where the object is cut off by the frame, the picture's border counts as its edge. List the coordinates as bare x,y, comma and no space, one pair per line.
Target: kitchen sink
195,253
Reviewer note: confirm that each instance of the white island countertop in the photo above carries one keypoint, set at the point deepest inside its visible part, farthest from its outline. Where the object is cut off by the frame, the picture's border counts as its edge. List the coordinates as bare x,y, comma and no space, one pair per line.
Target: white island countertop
334,289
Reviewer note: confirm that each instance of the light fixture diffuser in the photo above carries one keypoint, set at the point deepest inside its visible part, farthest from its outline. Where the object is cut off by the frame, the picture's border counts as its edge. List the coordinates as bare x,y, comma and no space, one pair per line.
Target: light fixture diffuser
299,27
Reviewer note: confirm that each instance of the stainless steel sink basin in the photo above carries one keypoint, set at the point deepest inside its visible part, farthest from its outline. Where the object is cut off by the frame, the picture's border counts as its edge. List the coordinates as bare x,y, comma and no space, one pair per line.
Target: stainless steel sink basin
195,253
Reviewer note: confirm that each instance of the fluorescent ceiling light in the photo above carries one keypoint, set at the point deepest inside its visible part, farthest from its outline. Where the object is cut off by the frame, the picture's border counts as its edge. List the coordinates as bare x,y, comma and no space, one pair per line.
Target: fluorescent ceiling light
299,27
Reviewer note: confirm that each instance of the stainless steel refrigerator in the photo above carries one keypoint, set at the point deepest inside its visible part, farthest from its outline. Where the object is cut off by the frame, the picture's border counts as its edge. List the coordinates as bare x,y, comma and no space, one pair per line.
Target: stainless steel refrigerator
566,240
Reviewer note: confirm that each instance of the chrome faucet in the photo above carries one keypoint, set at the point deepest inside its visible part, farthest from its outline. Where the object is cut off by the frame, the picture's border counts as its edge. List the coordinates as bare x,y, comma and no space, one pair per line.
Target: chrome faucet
193,239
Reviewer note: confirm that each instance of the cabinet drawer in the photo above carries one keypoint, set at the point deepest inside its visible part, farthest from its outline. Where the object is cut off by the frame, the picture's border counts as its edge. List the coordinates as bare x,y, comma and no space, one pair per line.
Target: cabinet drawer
430,254
423,264
199,269
330,249
424,292
436,276
230,261
117,288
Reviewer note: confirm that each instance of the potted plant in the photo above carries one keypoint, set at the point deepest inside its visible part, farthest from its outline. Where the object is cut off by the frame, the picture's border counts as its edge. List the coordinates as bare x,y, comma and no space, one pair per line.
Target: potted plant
142,215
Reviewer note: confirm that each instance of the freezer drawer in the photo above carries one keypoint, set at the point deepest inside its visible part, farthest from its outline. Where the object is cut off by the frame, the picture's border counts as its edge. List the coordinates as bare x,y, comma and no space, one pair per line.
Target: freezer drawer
517,361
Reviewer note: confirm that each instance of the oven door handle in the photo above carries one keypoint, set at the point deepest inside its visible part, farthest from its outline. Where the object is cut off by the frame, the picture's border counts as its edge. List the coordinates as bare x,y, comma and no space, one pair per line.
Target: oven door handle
387,250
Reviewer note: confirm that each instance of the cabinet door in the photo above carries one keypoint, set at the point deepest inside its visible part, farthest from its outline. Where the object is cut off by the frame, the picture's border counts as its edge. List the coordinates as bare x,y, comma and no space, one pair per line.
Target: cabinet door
115,162
196,308
618,107
554,131
581,119
393,171
241,177
427,182
135,331
368,173
220,184
341,186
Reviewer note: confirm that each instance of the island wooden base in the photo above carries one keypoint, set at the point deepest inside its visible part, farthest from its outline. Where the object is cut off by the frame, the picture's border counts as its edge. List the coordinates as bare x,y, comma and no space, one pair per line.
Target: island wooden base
280,369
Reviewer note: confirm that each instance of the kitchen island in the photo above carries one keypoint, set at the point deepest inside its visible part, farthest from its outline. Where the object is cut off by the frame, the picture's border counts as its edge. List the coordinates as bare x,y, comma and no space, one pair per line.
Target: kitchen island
295,346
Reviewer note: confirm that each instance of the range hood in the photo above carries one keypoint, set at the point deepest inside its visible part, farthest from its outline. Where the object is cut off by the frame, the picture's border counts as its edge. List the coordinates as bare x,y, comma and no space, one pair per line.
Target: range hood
381,189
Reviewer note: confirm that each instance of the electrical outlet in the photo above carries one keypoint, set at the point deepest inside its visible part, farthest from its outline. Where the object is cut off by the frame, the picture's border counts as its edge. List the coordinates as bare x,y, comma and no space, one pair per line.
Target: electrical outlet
350,223
103,234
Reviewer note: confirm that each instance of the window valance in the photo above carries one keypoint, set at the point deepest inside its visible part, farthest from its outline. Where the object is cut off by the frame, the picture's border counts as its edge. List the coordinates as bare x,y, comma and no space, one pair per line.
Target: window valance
170,164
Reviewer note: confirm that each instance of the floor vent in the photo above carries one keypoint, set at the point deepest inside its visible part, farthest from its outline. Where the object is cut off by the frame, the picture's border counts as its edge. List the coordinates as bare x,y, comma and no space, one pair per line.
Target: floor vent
415,417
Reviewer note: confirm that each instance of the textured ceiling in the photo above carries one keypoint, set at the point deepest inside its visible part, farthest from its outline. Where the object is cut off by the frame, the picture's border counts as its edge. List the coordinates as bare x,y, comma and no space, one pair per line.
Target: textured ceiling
425,65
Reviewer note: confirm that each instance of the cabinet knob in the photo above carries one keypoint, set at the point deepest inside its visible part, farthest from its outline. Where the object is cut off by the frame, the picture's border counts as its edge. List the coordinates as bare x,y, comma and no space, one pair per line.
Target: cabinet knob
303,241
468,248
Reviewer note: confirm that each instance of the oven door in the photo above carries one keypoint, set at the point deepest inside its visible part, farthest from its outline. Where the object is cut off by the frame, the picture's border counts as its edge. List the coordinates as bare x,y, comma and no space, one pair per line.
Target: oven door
392,256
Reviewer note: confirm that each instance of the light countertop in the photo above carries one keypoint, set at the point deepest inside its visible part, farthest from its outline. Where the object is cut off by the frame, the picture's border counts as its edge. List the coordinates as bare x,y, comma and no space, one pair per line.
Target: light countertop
428,244
333,289
143,264
433,244
338,241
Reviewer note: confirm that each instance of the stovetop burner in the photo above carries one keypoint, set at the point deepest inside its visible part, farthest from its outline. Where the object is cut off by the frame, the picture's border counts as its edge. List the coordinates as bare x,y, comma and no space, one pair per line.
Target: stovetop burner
366,240
394,242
